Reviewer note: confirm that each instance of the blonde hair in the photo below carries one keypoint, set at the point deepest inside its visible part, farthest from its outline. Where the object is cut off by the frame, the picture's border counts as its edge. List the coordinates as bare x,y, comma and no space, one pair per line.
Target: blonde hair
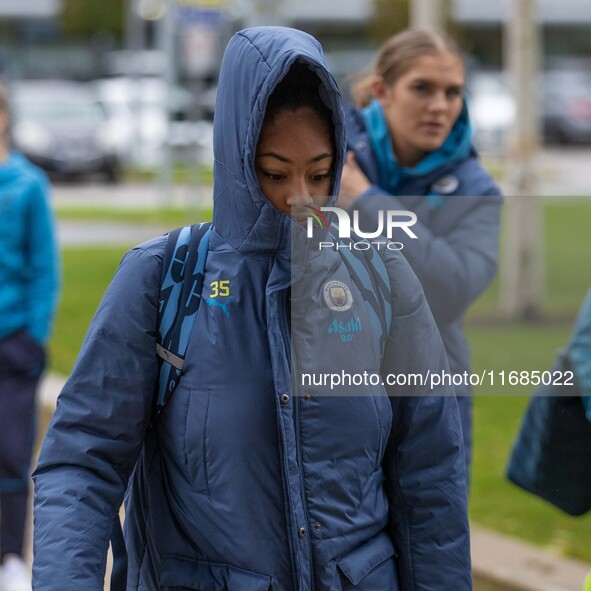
4,110
395,57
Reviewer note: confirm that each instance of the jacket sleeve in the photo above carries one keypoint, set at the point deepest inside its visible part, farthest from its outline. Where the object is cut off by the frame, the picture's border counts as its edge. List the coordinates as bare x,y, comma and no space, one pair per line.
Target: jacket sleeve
579,352
97,431
455,268
42,262
424,465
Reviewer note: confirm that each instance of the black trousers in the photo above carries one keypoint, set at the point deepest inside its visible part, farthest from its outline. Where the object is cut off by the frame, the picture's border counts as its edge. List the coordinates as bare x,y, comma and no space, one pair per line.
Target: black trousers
21,362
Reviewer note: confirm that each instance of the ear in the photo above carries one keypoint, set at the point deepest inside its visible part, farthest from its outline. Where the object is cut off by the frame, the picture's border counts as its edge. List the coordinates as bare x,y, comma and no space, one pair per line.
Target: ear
380,90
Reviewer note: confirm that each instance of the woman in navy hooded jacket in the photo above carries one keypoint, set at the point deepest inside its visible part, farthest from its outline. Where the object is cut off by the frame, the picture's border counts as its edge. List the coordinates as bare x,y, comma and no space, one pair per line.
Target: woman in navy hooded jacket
410,149
253,482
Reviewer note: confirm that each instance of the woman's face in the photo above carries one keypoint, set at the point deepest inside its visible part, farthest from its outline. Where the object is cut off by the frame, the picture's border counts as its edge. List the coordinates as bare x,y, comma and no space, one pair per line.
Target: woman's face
294,160
422,105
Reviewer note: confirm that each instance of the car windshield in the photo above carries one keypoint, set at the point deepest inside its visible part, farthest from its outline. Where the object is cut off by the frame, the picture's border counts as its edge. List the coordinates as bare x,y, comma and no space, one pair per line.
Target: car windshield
487,84
144,94
568,81
52,109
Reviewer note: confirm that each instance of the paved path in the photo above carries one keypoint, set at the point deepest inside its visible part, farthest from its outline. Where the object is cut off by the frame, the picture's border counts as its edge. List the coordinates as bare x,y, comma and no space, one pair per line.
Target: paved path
130,195
97,233
565,172
560,172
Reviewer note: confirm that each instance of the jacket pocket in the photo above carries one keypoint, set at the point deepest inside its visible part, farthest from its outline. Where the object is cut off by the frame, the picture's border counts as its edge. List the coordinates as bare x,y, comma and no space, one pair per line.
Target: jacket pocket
21,354
186,574
384,417
196,439
371,566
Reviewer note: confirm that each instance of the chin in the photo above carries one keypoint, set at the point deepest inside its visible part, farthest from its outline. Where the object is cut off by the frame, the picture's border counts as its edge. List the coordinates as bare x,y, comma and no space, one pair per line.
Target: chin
432,144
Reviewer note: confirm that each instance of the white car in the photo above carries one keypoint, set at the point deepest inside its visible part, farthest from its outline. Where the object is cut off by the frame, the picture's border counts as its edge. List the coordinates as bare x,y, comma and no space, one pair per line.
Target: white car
492,110
138,109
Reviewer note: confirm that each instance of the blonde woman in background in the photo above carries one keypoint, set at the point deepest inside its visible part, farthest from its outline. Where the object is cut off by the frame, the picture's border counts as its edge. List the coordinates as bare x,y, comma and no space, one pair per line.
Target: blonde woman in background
410,148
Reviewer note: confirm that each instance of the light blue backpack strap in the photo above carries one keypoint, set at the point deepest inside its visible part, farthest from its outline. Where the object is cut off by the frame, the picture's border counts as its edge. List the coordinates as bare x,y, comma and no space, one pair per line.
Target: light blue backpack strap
173,271
183,270
180,295
370,275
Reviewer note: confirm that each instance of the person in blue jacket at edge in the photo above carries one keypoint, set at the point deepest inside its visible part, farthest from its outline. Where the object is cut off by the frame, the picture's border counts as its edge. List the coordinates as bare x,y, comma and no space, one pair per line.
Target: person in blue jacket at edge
29,285
256,483
410,148
579,353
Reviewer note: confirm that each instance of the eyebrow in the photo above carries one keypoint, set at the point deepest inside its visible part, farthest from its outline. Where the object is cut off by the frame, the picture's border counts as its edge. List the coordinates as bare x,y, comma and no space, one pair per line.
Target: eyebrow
426,81
317,158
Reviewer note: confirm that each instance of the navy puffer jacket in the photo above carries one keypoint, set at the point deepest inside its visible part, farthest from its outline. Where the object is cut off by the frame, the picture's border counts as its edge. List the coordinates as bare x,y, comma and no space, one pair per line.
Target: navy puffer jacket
253,482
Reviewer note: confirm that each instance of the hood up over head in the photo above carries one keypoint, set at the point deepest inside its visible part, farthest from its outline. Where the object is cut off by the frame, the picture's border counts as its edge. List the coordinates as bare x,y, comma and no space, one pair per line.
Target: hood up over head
255,61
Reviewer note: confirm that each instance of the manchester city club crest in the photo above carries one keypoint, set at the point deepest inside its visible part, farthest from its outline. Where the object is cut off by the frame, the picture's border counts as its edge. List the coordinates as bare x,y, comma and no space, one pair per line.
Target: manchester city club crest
446,185
337,296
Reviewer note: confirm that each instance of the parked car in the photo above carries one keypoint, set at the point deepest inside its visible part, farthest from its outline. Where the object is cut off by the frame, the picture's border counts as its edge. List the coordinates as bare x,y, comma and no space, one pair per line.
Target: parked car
138,109
492,109
566,104
60,126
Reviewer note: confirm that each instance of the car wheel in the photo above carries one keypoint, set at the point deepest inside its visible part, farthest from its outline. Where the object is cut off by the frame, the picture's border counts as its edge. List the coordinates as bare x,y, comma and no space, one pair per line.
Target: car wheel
112,173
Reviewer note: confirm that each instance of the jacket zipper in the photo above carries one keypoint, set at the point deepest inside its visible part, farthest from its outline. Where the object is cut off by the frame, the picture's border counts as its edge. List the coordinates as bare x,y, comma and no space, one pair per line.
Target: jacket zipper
296,399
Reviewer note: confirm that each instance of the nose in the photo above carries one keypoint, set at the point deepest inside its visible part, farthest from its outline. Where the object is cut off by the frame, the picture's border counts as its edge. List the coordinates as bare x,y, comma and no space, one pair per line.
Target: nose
300,193
438,102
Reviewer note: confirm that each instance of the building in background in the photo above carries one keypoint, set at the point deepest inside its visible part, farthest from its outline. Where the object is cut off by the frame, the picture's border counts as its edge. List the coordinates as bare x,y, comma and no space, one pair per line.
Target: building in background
566,27
30,37
18,10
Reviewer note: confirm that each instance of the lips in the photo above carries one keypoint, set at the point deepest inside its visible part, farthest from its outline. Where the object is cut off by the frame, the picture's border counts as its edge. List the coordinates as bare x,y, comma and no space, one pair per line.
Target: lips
300,214
432,127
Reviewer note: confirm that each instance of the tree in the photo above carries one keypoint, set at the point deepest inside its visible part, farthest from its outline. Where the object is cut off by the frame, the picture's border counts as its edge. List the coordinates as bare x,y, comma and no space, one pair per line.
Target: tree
427,14
85,18
392,16
389,17
522,277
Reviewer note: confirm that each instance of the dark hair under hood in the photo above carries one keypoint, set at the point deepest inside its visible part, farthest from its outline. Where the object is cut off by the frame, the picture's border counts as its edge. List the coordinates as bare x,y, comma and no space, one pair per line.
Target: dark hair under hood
255,61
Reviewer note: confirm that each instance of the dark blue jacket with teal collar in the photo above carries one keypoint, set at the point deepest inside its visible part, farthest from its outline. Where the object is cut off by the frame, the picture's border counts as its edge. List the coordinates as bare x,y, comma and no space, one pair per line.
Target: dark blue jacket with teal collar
255,482
458,207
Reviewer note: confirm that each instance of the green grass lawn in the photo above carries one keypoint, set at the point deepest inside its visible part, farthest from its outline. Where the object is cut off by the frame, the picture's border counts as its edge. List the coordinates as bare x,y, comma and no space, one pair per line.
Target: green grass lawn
496,346
168,217
86,274
567,251
568,255
183,172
